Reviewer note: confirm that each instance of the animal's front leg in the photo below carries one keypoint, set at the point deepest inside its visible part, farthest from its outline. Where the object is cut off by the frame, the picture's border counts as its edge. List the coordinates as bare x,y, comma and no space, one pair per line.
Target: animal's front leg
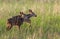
19,26
29,21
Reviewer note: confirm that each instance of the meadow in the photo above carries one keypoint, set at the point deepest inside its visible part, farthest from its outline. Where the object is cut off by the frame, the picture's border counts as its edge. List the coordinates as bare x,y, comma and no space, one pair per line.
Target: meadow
45,26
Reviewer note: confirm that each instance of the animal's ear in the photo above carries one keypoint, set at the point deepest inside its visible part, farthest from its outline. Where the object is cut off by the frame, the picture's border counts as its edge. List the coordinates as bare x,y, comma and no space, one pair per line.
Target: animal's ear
21,13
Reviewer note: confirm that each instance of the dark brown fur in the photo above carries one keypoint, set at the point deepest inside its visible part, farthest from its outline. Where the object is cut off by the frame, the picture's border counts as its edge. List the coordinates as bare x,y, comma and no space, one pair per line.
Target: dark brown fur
18,20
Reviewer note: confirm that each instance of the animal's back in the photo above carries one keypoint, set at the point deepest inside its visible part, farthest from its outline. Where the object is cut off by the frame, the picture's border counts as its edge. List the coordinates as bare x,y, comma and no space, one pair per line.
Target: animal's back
15,20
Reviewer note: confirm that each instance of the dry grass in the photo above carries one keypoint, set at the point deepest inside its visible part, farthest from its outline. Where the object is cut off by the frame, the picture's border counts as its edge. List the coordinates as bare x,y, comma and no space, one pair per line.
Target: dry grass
45,26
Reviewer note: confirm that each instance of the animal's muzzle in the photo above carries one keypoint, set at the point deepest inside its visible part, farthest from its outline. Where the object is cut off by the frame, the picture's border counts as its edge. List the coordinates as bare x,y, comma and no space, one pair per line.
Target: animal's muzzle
35,15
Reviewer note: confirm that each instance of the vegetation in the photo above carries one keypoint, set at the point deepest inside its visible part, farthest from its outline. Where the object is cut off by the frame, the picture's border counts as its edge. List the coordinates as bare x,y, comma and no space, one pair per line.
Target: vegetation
45,26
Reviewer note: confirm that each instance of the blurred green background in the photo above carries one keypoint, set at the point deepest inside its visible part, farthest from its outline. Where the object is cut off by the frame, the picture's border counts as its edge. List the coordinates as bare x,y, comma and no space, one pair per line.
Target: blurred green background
45,26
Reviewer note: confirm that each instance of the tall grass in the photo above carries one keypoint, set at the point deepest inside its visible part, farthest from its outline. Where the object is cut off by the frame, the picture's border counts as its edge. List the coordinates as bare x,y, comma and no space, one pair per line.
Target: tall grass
45,26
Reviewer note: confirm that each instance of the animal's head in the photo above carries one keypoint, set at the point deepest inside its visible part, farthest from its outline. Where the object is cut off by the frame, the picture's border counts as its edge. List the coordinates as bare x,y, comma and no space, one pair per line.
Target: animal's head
33,14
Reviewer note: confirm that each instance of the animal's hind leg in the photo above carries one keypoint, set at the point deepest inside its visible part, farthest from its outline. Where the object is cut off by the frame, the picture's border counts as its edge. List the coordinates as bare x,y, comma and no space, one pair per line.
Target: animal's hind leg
9,26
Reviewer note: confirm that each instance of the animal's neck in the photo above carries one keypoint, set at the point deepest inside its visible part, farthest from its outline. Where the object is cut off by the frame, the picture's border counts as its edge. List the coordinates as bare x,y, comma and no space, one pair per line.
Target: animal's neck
29,16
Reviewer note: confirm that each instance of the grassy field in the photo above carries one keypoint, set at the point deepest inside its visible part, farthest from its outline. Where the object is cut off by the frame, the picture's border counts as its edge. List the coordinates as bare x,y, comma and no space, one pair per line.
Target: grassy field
45,26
